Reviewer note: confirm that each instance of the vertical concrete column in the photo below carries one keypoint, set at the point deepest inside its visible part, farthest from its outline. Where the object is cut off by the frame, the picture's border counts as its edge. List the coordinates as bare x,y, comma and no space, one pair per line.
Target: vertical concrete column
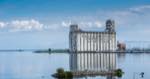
83,36
93,41
94,37
82,46
113,39
90,42
103,40
76,41
106,41
85,41
73,42
80,41
115,42
100,42
87,44
109,42
97,43
112,43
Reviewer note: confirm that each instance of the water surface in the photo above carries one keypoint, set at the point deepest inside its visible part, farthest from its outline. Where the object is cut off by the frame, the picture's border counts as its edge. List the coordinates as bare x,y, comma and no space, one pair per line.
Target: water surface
28,65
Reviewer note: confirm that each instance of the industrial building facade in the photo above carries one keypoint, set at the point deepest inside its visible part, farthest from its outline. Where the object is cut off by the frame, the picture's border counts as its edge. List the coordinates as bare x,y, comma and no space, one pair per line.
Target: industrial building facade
91,41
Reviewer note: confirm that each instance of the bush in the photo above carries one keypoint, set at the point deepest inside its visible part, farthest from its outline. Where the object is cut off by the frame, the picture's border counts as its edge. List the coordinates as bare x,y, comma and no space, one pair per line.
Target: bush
119,70
60,70
118,73
69,74
63,74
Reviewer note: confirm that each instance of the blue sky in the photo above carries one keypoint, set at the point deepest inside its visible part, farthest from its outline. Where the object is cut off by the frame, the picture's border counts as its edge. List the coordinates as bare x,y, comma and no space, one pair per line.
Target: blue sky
45,23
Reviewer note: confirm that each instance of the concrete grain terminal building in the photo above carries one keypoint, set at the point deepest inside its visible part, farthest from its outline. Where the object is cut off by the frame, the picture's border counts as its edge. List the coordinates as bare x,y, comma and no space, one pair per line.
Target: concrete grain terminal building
92,41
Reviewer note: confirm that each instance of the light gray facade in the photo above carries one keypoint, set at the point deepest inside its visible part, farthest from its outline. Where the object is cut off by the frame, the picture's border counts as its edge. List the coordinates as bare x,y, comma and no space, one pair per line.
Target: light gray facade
91,41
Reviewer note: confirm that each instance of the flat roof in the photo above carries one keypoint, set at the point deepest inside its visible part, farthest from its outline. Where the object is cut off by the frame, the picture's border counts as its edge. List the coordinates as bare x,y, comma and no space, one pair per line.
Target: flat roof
81,31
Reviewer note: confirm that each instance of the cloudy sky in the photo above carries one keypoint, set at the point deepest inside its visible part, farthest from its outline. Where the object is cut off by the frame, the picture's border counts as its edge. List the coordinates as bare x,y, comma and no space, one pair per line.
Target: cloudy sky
37,24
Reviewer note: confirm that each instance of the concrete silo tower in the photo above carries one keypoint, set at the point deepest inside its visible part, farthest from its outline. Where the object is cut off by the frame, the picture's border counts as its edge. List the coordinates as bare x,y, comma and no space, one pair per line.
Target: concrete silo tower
110,25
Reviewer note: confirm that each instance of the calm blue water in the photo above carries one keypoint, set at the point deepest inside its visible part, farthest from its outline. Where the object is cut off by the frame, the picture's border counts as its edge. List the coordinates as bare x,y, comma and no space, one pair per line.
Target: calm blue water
28,65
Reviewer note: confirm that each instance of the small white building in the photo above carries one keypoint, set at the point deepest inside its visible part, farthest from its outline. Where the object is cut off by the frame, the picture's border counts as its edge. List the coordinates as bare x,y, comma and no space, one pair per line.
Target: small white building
91,41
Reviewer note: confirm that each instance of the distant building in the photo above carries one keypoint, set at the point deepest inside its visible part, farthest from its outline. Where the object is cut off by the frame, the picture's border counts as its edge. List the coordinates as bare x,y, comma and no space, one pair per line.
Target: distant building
121,46
91,41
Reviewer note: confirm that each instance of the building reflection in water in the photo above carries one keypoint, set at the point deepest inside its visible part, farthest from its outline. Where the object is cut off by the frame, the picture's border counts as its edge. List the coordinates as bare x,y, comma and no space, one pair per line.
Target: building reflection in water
93,62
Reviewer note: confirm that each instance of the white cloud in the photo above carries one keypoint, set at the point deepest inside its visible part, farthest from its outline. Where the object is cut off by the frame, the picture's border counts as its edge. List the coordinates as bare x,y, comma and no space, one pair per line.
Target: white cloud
21,25
65,24
84,24
140,8
26,25
91,24
2,24
98,24
126,17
